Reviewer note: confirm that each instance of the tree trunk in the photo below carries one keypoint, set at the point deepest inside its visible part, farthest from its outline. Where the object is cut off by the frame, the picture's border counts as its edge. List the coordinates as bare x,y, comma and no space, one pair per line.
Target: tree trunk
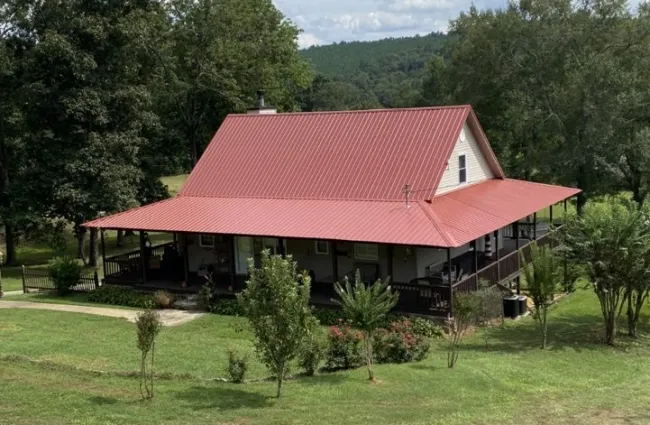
92,260
280,377
610,330
80,233
580,202
637,196
120,239
544,328
368,344
10,242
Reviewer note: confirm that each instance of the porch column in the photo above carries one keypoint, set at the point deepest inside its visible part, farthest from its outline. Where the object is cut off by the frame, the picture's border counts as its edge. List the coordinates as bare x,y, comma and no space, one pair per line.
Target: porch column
233,270
186,261
550,214
143,258
535,226
565,208
101,236
389,266
335,262
281,249
516,224
474,245
451,285
496,244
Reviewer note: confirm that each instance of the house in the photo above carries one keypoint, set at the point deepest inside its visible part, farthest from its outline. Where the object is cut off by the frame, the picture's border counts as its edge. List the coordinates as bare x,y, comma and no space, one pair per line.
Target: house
414,194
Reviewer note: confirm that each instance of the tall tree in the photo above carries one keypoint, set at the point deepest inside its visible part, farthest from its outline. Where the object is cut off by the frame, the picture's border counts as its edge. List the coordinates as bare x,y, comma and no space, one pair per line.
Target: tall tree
88,104
220,53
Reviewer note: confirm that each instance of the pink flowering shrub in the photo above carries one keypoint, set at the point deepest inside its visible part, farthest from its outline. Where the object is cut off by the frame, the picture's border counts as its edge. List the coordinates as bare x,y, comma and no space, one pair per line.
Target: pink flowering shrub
344,347
399,343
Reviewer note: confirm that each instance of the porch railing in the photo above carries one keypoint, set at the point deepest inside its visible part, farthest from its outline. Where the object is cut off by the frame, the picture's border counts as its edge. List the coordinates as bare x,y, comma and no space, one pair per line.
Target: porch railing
126,268
422,298
41,280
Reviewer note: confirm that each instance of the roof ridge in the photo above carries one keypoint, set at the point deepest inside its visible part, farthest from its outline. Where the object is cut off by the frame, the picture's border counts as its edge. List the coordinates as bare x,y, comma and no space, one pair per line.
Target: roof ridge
289,198
357,111
434,220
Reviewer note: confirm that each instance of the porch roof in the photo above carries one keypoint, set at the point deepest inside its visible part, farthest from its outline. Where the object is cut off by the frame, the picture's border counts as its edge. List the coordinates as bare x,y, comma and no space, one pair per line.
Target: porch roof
449,220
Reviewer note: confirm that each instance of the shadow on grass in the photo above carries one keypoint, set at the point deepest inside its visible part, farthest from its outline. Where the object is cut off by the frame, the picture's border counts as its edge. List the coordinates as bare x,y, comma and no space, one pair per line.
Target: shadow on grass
227,398
102,401
323,378
576,332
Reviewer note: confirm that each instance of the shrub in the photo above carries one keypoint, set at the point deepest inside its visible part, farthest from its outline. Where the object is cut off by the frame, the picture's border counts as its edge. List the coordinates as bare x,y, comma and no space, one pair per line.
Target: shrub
465,307
237,366
427,328
333,316
400,344
163,299
148,326
344,347
65,273
208,298
311,356
228,307
116,295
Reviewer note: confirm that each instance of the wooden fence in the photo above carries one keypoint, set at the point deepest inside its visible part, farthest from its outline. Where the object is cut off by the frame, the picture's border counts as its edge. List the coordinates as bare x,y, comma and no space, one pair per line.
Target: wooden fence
41,280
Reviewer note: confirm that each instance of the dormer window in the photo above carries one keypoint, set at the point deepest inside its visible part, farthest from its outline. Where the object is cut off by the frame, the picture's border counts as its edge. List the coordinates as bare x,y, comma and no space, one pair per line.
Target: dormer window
462,169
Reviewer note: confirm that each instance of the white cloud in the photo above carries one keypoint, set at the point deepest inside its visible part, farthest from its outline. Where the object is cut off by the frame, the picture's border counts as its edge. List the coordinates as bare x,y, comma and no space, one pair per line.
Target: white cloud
328,21
307,40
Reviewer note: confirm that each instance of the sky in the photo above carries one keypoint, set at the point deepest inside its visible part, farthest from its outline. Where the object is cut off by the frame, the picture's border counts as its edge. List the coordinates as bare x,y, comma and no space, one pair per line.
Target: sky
328,21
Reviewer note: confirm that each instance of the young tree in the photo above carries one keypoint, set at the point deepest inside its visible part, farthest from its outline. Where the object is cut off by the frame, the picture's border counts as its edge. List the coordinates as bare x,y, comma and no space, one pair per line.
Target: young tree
465,308
276,303
148,326
610,241
366,307
541,275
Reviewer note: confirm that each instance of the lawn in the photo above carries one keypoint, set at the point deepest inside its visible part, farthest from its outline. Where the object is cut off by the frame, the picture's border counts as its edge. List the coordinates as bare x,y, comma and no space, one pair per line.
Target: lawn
576,381
174,183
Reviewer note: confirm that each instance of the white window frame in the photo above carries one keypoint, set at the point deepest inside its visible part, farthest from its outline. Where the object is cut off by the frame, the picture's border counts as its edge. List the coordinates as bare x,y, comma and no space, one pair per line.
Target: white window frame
204,245
319,251
366,251
462,155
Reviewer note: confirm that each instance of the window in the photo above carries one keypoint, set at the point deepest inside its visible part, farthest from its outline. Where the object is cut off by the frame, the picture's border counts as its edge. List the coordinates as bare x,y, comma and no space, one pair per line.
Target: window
462,169
271,244
322,247
366,251
206,241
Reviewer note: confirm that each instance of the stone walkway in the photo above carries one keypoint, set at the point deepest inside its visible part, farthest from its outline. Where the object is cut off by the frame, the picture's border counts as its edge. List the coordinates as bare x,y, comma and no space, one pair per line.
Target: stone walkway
168,317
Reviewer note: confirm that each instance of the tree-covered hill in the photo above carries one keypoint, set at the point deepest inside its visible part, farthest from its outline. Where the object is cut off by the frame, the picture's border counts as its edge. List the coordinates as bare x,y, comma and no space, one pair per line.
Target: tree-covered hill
370,74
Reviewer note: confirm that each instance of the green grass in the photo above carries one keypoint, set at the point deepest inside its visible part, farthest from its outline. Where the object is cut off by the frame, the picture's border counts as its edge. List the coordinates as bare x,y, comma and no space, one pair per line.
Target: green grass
78,298
174,183
576,381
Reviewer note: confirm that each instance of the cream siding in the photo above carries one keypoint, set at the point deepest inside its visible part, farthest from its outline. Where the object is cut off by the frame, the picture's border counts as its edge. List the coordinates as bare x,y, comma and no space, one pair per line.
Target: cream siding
477,166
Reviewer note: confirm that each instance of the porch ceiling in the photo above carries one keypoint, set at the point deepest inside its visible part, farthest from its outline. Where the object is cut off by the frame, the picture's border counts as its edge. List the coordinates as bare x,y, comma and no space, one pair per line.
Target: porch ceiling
450,220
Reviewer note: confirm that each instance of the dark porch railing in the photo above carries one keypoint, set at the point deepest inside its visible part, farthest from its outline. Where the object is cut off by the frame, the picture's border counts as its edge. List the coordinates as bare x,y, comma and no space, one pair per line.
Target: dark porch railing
126,268
422,298
41,280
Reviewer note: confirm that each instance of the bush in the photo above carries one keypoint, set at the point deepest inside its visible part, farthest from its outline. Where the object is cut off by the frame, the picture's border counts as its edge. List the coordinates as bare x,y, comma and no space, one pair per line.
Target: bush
333,316
400,344
116,295
163,299
427,328
65,273
237,366
228,307
311,356
208,298
344,347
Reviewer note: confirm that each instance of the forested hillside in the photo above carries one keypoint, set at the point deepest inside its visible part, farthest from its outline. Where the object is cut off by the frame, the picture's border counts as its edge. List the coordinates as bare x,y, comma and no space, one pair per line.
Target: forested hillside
370,74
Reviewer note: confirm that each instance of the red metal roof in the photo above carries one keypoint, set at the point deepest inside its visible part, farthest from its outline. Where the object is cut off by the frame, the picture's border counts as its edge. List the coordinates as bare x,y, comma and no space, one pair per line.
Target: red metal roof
354,155
449,220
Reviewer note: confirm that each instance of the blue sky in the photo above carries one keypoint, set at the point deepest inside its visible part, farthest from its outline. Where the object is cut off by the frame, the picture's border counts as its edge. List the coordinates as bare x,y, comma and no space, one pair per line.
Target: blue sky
328,21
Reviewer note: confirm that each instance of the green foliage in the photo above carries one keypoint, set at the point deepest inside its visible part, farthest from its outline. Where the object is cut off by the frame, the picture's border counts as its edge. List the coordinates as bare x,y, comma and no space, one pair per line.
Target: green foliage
427,328
465,307
399,344
344,347
276,303
148,326
237,366
311,356
365,308
369,74
65,272
163,299
117,295
542,277
489,306
611,242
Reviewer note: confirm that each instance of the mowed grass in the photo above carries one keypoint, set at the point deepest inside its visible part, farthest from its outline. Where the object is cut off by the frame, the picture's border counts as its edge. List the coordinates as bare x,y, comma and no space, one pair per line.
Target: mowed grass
174,183
576,381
